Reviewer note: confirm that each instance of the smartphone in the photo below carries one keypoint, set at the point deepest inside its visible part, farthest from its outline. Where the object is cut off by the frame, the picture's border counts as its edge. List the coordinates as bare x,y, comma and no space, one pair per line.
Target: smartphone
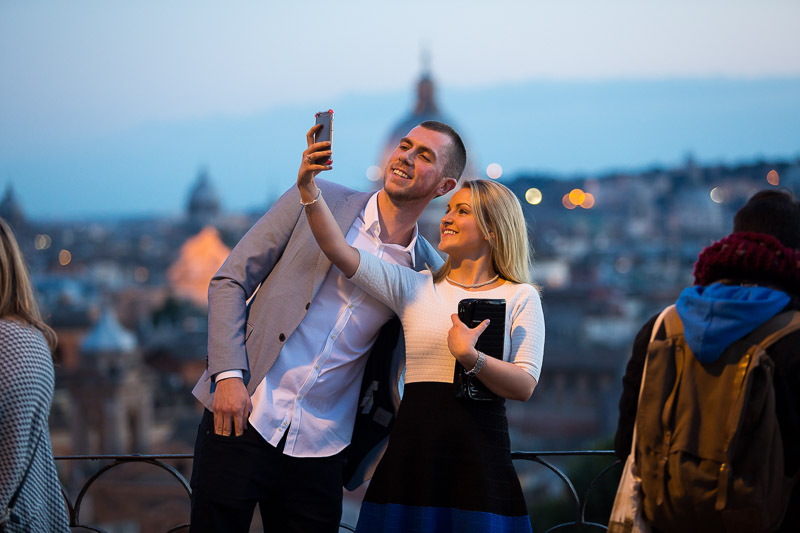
326,119
473,311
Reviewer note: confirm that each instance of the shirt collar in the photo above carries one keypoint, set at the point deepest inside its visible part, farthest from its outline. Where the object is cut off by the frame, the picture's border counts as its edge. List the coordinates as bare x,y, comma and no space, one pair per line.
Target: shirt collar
372,225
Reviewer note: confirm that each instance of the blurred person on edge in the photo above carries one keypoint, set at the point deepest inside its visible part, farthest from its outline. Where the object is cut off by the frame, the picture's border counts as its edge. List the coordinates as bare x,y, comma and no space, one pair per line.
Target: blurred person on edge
30,493
741,282
293,371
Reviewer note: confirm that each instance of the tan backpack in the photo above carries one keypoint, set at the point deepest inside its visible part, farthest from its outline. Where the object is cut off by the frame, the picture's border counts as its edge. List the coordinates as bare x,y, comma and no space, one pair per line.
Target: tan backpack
709,448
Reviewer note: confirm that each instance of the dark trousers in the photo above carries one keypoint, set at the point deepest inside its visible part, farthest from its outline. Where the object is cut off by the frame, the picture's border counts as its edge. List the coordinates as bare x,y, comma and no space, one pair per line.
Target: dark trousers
231,474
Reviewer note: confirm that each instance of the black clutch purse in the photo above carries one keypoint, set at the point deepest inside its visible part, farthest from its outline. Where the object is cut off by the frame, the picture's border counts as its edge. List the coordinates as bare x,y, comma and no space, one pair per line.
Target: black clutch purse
472,312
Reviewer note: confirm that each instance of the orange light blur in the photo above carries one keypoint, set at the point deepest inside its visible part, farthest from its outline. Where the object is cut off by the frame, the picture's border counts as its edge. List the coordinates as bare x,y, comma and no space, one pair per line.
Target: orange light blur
567,203
588,202
773,178
577,196
64,257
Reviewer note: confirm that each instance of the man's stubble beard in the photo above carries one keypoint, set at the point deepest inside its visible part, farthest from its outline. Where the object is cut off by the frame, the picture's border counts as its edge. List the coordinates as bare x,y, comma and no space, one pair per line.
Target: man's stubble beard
408,196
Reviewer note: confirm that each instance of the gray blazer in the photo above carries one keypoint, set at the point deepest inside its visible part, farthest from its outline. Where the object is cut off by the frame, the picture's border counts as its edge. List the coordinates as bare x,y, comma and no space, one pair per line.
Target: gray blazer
279,261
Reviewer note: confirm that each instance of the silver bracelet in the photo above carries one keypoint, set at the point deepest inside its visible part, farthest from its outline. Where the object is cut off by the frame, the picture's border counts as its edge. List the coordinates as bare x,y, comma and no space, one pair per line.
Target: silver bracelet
312,202
478,365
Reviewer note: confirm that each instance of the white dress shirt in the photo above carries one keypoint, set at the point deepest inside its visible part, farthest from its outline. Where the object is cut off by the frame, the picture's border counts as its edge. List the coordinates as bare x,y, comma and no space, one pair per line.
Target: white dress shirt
312,389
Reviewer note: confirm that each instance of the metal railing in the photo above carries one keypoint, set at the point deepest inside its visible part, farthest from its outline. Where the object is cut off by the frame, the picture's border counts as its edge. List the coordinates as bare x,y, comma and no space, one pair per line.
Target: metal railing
578,502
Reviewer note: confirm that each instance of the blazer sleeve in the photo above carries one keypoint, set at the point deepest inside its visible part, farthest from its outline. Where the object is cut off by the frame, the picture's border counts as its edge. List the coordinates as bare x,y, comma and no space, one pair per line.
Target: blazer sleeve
248,264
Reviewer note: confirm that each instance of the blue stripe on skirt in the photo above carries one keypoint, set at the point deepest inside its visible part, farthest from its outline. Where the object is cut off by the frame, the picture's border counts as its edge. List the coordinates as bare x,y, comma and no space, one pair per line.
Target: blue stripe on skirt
393,518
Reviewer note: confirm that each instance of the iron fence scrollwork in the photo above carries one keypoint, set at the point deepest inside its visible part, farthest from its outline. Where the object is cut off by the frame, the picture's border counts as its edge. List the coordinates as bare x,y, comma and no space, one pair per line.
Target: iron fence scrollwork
579,504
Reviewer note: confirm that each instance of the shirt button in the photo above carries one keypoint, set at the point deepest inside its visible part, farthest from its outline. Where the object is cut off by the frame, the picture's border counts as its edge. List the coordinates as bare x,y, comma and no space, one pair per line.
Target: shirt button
281,337
316,366
333,336
299,396
283,425
350,306
308,305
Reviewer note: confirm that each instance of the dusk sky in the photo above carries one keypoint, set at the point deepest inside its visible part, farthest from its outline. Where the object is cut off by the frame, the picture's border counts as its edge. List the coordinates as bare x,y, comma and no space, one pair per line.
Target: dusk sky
113,107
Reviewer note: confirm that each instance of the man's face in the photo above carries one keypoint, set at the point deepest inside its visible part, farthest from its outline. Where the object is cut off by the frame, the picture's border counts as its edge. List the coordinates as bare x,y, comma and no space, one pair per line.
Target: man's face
414,170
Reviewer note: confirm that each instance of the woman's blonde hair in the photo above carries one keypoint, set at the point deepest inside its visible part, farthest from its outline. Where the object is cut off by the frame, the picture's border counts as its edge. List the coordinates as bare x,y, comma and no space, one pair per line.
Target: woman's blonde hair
16,293
498,214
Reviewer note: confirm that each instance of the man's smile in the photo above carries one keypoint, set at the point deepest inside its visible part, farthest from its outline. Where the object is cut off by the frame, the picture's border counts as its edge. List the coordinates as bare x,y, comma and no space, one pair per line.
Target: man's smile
399,173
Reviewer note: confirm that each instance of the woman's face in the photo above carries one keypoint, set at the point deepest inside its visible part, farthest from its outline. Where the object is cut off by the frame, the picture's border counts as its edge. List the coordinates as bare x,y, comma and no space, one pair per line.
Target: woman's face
461,238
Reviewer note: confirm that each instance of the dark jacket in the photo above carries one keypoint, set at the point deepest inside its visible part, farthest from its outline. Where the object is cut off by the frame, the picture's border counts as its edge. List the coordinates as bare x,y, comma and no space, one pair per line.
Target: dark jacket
785,354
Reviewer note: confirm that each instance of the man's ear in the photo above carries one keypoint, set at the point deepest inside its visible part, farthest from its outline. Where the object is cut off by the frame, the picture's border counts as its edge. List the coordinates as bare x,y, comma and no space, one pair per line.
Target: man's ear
447,185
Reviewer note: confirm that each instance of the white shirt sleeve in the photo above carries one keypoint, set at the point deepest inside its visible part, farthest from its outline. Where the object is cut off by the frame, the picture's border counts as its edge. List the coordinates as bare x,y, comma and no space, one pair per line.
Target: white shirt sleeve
391,284
527,332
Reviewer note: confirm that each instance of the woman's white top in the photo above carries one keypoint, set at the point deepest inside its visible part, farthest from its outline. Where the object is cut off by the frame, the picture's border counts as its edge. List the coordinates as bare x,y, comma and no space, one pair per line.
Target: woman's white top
424,309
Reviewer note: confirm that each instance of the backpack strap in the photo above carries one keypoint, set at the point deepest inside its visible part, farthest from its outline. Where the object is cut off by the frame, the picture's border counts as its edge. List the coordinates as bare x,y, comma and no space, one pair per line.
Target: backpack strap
673,327
672,322
775,329
653,333
762,337
656,326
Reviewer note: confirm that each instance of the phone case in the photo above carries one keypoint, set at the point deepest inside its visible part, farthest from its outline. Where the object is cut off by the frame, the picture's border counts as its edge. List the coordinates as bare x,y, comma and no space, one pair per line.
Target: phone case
473,311
326,119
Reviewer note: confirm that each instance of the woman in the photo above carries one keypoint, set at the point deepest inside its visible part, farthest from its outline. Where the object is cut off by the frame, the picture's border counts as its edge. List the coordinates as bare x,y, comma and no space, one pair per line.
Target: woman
448,466
27,469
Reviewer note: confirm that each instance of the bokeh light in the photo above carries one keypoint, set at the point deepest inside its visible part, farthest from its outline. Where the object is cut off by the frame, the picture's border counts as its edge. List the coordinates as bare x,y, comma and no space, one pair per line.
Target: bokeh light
623,265
42,241
577,196
374,173
64,257
773,178
494,171
717,195
141,274
588,201
565,201
533,196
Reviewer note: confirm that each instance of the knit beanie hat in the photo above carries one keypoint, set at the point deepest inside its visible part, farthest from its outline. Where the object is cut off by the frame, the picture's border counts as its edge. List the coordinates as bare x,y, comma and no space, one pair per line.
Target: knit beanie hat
752,257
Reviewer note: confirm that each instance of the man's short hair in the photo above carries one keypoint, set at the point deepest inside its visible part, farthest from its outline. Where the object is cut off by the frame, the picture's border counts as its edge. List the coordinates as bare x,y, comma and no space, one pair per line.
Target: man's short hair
457,156
774,212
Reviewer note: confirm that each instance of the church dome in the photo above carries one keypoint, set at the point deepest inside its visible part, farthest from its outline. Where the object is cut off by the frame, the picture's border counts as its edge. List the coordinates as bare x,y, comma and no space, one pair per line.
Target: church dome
198,260
203,199
425,108
108,336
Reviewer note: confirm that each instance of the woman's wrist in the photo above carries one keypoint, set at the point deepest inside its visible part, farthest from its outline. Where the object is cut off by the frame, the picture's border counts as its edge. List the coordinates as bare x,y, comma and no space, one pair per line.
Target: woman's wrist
469,359
480,360
309,193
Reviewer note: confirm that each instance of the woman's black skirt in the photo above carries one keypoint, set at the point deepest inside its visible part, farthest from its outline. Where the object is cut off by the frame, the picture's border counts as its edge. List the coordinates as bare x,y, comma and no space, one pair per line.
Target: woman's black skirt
447,468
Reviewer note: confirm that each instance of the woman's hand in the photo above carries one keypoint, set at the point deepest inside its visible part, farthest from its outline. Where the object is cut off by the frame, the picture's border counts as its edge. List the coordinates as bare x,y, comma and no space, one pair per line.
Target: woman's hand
503,378
316,158
461,340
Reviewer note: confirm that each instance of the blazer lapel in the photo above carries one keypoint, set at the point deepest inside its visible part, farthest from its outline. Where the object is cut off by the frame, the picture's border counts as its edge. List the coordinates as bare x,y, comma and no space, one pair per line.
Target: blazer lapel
425,255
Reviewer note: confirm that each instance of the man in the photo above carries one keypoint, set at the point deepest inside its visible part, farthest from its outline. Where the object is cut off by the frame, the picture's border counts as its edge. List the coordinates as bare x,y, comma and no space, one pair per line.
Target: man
741,282
293,358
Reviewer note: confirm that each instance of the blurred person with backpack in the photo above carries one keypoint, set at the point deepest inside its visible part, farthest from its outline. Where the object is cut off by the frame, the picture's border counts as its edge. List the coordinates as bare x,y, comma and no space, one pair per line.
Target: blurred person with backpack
718,421
30,493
